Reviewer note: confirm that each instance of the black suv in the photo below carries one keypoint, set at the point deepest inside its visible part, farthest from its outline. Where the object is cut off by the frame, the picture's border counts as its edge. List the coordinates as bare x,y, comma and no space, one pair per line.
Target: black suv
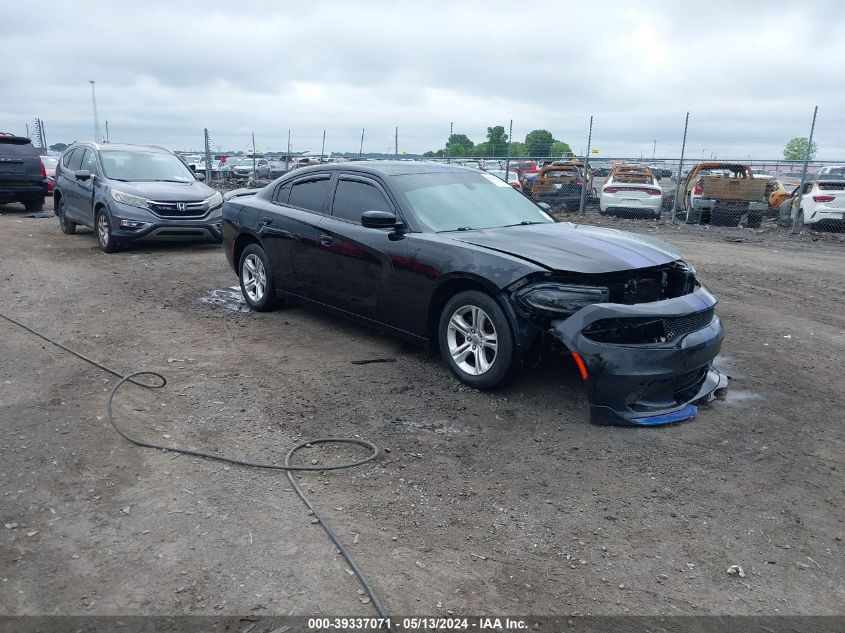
22,174
133,192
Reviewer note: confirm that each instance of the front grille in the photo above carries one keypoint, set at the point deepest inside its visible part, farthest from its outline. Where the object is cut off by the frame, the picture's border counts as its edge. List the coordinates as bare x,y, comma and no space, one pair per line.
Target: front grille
678,326
172,210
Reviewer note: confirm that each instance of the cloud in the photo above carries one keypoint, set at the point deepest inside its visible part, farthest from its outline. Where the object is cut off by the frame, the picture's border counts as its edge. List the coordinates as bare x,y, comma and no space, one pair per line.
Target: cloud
749,73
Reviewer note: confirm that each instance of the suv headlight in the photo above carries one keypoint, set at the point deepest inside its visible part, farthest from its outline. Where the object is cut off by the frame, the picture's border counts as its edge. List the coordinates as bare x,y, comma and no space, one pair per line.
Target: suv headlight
215,200
560,299
128,198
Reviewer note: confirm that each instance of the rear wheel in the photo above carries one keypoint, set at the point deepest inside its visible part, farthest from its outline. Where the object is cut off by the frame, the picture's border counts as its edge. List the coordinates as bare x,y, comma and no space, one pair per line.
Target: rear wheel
67,227
34,204
475,340
257,285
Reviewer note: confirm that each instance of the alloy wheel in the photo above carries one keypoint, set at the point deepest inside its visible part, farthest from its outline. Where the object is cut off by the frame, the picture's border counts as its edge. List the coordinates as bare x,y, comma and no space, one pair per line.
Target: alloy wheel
254,277
472,340
103,229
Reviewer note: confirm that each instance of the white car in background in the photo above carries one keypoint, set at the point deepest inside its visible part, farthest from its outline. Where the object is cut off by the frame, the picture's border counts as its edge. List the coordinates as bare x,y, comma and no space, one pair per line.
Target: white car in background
631,191
821,205
832,170
512,179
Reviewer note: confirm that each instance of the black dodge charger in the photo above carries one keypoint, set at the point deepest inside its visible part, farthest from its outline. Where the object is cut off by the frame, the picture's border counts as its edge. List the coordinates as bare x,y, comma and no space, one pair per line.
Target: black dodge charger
458,259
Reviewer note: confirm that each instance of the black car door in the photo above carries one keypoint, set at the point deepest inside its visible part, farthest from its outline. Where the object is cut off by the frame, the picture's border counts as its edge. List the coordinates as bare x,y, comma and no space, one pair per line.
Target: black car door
356,263
288,227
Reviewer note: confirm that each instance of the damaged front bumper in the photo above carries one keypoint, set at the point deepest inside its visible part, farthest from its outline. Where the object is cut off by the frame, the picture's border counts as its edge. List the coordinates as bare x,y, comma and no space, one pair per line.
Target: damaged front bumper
646,380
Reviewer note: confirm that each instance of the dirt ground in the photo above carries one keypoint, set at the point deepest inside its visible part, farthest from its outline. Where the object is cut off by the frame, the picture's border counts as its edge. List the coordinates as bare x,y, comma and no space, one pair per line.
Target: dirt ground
506,502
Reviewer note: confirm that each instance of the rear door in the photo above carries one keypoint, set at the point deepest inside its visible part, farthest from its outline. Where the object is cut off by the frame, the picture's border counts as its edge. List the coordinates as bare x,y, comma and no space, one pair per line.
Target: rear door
85,188
289,227
355,263
71,193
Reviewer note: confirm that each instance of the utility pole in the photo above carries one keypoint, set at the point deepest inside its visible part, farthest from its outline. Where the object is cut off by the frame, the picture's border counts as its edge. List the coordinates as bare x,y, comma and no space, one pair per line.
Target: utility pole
583,204
396,143
449,143
323,147
653,149
107,130
207,156
361,148
97,135
680,168
797,220
287,155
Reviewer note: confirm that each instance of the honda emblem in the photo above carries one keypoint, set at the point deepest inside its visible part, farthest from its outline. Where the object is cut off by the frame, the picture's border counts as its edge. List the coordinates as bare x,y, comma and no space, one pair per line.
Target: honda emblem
181,206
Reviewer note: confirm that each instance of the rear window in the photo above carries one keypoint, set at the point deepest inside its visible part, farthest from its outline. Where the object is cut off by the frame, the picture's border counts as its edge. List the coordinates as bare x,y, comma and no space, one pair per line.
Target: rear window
16,146
832,186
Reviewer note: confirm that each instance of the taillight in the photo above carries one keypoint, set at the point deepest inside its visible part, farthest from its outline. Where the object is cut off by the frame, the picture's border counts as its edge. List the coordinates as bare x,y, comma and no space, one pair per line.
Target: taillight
578,181
611,189
654,192
43,169
824,198
699,188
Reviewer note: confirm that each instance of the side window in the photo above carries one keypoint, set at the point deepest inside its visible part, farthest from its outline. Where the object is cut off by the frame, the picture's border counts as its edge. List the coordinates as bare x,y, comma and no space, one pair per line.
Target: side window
75,159
282,193
353,197
66,157
309,194
89,162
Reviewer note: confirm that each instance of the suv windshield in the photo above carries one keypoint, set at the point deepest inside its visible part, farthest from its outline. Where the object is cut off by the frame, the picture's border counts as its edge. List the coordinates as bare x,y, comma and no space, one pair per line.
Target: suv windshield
141,166
452,201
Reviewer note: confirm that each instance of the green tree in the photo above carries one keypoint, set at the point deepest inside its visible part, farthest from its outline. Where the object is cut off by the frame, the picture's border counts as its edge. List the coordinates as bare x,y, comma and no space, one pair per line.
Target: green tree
58,147
462,140
498,140
561,148
796,149
518,149
539,143
483,149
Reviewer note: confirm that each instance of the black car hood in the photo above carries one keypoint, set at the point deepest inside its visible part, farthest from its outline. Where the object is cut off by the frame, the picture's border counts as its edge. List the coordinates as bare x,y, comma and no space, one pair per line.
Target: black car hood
573,247
165,191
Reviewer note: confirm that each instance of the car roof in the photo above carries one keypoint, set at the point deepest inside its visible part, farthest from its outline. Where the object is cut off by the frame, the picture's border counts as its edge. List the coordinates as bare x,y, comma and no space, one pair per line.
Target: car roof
125,147
385,168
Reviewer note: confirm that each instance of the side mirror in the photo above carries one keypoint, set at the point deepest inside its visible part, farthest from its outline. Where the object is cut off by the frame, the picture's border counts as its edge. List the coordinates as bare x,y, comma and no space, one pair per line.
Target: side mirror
199,176
378,219
82,174
545,206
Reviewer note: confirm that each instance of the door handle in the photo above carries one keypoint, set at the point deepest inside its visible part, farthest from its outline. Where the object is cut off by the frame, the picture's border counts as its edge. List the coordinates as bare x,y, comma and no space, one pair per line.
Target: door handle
325,240
266,220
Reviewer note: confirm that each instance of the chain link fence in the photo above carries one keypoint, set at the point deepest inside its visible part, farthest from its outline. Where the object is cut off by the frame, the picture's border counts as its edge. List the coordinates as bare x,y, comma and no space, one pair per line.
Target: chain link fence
692,188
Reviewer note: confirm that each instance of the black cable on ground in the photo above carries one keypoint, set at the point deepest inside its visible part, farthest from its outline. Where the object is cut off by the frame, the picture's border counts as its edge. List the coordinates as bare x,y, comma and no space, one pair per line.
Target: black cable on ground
159,381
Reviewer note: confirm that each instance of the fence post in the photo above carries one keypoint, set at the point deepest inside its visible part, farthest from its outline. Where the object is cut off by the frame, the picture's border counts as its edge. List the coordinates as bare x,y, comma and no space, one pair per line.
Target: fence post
581,207
323,148
361,149
287,155
796,220
508,157
680,168
254,172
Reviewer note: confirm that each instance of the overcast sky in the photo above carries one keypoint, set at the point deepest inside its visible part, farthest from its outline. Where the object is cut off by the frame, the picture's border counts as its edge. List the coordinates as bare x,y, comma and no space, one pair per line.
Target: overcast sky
749,72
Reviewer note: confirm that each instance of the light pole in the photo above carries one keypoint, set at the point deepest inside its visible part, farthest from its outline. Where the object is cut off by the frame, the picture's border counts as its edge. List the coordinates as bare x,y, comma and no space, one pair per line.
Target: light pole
653,149
97,134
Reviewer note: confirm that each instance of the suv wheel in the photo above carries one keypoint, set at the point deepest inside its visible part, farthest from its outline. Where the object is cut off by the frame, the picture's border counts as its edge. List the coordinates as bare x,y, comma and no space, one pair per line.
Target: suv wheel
475,340
67,227
257,285
108,243
34,204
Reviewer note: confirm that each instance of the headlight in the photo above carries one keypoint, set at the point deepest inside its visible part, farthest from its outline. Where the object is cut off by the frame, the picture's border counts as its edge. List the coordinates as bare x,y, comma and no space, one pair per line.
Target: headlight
215,200
133,201
560,298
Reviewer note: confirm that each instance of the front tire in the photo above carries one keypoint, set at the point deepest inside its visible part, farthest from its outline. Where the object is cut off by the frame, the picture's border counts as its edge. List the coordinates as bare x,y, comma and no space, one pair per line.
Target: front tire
105,238
67,227
257,285
476,340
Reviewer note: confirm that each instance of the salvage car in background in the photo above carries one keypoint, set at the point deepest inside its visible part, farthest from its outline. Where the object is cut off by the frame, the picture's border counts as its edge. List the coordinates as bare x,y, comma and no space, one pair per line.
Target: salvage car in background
250,167
23,177
561,184
723,194
129,193
633,191
822,205
512,178
456,258
50,163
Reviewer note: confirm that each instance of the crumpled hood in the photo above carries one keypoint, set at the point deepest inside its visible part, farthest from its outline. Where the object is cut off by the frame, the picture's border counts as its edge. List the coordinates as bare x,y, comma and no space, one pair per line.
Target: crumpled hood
166,191
573,247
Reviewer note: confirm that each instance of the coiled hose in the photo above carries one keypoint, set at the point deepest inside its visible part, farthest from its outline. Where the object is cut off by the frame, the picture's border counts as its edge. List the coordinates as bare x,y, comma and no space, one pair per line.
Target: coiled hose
159,381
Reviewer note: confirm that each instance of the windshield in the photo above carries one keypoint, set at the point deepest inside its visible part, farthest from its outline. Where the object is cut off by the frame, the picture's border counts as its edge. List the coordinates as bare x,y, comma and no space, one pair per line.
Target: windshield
452,201
140,166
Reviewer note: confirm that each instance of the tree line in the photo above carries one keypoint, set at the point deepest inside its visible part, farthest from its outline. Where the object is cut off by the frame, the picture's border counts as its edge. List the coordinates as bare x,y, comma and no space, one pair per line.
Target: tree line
540,143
